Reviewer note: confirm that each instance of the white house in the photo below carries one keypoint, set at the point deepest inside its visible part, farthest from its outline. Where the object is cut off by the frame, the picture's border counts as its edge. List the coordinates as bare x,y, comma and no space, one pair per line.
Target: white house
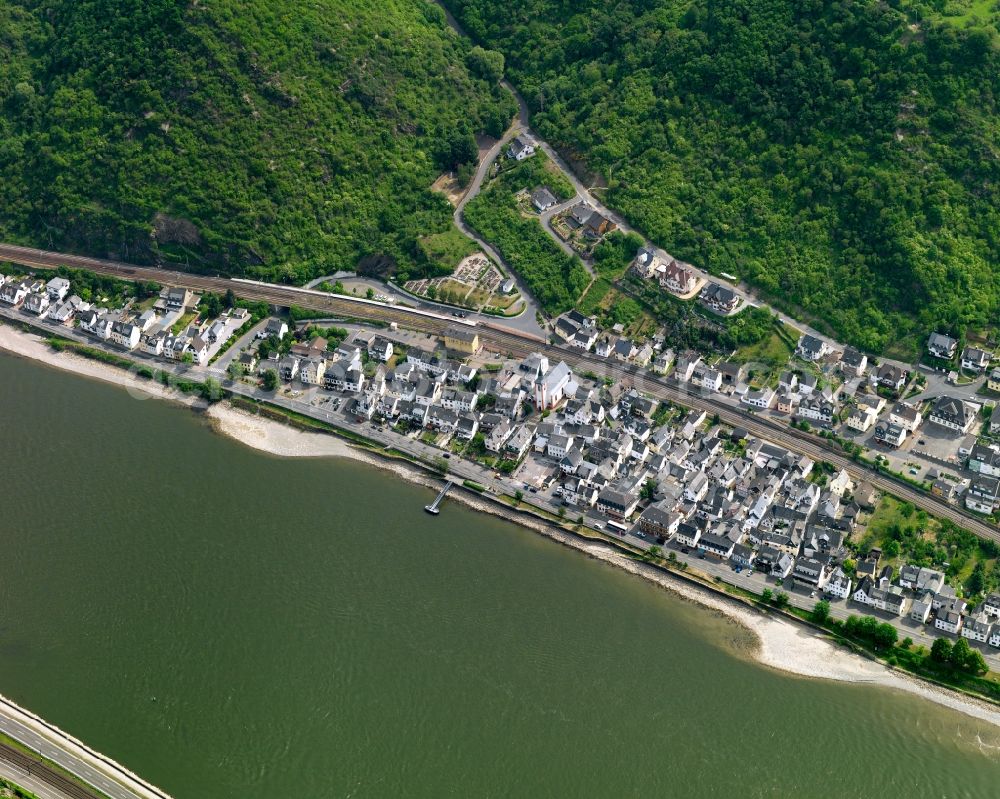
696,488
199,350
920,610
949,621
906,416
558,445
520,148
12,293
152,343
975,359
991,605
688,535
678,278
811,348
839,584
380,348
102,327
941,346
57,289
64,312
890,435
841,484
311,370
953,413
125,334
542,198
274,327
764,398
862,419
853,363
978,628
37,304
707,378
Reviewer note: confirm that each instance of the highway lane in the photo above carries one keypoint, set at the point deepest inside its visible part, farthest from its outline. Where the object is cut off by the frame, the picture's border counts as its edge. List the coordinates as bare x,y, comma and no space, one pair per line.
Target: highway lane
498,338
103,774
63,758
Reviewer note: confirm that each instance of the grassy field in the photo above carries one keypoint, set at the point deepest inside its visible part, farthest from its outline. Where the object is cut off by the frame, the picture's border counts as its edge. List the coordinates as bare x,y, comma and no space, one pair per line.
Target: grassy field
445,250
538,170
964,12
907,535
907,348
611,307
590,302
775,350
181,324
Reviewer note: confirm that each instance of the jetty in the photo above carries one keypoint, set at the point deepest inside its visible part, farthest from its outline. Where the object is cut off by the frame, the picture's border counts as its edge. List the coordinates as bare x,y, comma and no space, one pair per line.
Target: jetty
433,507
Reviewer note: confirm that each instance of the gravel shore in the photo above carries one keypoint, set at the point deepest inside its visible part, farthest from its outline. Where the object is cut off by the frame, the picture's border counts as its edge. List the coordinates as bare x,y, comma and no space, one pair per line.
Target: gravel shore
781,644
35,348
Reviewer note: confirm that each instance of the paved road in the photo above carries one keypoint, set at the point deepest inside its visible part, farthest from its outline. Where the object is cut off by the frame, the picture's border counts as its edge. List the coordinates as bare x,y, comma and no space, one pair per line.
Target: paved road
104,774
756,582
545,220
461,469
237,346
528,320
503,339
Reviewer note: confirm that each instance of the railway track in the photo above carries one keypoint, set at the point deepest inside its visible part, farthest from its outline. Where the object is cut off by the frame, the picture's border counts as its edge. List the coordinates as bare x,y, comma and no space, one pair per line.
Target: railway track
39,770
499,339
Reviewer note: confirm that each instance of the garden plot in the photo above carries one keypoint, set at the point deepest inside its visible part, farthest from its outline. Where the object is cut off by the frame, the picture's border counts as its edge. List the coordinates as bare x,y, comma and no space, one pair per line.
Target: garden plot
475,283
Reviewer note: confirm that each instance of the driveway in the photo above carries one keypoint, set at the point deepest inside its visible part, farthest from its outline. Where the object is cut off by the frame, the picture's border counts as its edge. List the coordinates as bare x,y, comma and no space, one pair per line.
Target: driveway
239,345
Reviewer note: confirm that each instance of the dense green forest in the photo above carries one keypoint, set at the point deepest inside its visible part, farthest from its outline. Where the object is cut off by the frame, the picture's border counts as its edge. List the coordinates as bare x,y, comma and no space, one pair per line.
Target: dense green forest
281,139
842,156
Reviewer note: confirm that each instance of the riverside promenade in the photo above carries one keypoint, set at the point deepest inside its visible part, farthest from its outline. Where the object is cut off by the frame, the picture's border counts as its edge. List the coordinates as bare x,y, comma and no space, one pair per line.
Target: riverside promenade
103,774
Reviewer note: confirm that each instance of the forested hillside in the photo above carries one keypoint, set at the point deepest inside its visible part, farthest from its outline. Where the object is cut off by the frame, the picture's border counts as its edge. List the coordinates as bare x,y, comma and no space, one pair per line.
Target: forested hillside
286,138
842,156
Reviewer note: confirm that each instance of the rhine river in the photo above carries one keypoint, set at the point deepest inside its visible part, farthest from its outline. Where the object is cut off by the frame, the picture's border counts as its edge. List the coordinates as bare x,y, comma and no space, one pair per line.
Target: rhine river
234,626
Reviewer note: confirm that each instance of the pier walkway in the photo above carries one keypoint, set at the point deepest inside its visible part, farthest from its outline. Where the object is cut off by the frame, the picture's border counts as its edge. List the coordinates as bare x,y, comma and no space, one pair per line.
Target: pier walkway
433,507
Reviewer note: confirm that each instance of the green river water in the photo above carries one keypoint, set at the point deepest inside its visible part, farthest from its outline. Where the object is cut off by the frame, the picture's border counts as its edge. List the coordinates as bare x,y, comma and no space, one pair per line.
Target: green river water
230,624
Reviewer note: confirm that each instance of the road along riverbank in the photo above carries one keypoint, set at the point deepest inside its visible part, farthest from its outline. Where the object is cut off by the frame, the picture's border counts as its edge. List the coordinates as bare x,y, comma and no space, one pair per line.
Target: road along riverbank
106,776
36,348
780,643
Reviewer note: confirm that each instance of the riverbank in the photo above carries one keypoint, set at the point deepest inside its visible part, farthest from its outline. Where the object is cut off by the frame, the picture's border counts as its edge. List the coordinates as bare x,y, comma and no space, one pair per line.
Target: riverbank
780,643
36,348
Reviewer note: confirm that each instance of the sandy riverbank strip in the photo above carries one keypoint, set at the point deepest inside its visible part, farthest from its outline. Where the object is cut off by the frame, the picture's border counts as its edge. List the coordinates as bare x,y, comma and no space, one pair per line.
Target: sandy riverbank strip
35,348
781,644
